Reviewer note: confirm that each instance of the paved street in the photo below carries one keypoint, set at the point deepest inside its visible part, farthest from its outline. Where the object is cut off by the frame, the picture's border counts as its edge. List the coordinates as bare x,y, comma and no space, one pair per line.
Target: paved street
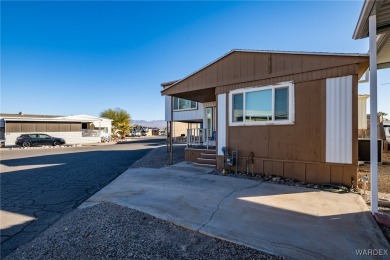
40,186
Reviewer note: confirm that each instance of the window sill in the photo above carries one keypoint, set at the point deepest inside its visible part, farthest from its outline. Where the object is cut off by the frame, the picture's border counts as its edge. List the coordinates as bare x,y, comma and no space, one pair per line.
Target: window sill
183,110
262,123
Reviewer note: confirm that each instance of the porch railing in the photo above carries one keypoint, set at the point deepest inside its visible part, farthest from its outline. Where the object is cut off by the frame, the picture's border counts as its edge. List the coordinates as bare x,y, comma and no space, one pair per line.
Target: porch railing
90,133
200,137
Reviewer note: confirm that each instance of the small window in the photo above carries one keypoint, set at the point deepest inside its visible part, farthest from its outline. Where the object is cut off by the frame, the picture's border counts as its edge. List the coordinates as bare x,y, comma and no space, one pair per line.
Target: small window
181,104
262,105
175,104
238,107
281,104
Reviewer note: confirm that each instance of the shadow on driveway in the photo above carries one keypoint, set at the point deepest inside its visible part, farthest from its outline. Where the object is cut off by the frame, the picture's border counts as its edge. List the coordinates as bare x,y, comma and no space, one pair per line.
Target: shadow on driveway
37,191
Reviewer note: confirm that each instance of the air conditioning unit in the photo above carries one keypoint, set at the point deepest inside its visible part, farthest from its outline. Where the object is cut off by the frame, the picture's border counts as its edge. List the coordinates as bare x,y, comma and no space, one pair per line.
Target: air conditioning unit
364,150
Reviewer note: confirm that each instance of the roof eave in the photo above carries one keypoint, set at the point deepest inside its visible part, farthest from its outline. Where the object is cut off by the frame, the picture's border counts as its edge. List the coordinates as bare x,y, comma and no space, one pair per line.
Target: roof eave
264,51
364,14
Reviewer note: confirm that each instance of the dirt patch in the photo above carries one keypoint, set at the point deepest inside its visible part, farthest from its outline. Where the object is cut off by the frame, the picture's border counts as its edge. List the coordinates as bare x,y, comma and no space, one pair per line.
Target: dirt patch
383,174
383,183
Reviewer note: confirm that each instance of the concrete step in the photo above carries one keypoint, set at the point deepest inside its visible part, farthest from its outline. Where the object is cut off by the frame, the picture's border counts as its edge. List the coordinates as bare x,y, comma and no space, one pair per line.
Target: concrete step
207,160
205,165
208,155
210,151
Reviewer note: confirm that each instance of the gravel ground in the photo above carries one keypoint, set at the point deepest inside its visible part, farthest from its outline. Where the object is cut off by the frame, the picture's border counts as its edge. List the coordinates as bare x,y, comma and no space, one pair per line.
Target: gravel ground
108,230
383,174
383,188
383,183
159,157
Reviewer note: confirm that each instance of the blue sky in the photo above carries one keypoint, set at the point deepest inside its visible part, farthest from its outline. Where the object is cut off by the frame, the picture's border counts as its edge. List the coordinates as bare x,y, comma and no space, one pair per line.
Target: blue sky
83,57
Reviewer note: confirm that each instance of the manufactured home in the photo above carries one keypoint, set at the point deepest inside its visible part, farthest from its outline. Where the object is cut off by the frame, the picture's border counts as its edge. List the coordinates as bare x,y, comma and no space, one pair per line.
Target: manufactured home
77,129
386,125
291,114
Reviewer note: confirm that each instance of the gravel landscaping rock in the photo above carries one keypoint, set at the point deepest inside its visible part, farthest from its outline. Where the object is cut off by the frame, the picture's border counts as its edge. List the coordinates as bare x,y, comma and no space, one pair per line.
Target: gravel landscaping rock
159,157
111,231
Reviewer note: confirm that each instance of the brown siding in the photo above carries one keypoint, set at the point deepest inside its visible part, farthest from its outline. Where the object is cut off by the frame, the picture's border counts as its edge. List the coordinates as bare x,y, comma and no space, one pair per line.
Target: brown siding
351,69
41,127
311,173
278,168
268,167
306,132
29,127
249,139
18,127
52,127
64,127
288,169
75,127
336,173
13,127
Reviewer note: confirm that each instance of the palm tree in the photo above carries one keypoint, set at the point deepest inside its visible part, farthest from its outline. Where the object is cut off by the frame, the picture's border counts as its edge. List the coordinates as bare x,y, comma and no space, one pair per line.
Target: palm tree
120,121
383,114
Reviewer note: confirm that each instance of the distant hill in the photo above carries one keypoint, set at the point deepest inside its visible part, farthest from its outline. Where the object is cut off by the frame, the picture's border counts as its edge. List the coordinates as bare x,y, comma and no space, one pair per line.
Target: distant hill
153,123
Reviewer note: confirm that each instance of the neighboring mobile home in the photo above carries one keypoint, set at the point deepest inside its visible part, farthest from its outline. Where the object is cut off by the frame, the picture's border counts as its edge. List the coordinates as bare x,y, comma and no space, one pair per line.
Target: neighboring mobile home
76,129
296,112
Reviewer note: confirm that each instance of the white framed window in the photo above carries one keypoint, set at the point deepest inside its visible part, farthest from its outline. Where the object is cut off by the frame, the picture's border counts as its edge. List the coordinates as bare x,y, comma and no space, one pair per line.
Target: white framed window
268,105
181,104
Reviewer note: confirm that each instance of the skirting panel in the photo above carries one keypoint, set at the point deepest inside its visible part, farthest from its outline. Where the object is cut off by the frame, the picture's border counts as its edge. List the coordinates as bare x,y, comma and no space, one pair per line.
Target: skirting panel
316,173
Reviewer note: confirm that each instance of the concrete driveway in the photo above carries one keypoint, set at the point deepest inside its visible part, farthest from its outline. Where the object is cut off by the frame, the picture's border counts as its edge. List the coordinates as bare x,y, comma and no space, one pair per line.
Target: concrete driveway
295,222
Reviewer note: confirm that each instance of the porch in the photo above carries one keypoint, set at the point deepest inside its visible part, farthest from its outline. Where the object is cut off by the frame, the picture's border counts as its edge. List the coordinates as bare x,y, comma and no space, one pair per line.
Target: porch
201,147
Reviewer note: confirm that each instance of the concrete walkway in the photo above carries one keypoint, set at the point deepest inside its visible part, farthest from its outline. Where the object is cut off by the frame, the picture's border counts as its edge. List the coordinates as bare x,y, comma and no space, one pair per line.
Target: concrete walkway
295,222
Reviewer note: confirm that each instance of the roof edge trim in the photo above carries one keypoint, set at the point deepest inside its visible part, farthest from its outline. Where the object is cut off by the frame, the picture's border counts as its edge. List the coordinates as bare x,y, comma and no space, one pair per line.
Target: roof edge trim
266,51
364,14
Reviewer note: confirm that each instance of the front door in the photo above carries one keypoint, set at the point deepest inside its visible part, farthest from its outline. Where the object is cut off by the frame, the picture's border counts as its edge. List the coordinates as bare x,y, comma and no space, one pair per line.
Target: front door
210,121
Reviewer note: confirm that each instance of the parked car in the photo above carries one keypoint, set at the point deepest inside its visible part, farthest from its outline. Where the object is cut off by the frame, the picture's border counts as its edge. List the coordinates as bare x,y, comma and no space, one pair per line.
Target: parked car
27,140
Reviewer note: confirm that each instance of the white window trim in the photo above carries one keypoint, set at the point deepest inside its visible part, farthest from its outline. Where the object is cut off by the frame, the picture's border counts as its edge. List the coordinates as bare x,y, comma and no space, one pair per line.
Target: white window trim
188,109
291,108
